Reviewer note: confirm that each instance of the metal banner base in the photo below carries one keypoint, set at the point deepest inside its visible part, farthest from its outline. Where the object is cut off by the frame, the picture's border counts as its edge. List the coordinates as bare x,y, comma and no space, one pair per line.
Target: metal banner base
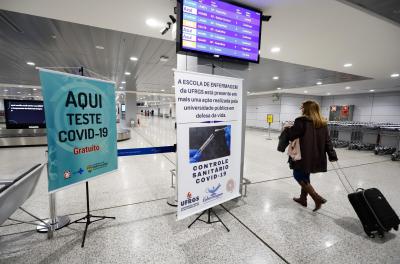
171,201
209,211
61,221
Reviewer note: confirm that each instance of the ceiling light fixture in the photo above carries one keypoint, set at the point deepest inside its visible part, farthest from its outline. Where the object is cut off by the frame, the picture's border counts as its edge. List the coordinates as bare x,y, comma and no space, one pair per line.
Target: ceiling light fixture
347,65
34,89
394,75
164,58
133,58
30,63
123,82
127,73
154,23
305,92
372,91
5,90
328,93
279,88
275,49
276,78
99,47
348,88
18,92
319,83
162,90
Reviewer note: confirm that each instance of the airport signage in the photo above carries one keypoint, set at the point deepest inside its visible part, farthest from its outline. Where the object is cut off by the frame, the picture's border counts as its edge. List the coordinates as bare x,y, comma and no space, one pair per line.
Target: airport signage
209,127
81,127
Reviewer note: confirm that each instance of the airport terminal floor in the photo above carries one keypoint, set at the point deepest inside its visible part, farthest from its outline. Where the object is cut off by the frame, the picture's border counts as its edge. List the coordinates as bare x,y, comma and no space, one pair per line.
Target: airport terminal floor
266,226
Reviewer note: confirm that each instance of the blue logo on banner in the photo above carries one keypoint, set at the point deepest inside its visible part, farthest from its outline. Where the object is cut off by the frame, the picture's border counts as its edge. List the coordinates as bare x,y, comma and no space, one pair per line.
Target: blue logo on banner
214,193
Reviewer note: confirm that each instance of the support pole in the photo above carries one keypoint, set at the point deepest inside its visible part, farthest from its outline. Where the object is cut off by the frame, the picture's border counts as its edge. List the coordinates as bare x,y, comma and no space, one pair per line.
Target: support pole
54,222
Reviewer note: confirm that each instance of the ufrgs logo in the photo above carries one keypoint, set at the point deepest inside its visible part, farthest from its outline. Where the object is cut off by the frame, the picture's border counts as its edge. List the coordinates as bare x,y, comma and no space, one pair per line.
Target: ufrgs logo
190,202
213,193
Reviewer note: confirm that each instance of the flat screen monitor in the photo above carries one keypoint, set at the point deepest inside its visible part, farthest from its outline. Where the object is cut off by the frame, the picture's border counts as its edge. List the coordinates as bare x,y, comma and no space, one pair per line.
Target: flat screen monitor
123,108
24,114
219,29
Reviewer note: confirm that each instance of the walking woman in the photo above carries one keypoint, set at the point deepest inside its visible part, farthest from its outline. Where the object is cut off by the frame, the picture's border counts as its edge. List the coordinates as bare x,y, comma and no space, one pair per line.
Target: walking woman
315,144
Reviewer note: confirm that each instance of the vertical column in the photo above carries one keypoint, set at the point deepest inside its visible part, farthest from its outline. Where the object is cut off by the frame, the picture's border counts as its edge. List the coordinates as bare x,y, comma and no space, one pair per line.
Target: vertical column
131,109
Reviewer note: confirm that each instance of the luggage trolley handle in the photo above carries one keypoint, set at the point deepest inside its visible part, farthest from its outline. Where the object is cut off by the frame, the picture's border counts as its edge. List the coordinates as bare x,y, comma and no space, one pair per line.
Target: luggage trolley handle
338,169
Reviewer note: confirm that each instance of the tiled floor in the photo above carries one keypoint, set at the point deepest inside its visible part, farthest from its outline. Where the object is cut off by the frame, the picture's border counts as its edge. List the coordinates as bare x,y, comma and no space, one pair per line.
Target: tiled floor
265,224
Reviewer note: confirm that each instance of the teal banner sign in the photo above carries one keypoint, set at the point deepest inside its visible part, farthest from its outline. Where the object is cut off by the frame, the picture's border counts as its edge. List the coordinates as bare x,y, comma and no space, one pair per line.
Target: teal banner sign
81,127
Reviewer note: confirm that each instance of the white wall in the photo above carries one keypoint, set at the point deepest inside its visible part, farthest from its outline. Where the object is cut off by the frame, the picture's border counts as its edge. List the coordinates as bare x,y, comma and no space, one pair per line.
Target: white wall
380,107
287,108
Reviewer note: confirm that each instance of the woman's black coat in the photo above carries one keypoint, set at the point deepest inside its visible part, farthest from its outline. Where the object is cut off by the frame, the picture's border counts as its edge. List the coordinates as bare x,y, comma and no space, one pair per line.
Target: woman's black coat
315,143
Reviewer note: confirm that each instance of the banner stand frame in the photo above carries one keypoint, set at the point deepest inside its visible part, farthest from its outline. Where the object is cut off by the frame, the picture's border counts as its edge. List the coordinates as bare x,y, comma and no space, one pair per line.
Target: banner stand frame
87,218
209,211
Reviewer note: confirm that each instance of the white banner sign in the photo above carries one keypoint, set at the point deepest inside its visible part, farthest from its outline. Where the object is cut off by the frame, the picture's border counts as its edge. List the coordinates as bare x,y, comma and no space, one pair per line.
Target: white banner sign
209,127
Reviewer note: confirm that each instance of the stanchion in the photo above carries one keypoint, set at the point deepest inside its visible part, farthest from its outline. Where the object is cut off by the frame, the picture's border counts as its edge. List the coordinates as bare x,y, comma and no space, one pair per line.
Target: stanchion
173,200
269,132
209,211
54,222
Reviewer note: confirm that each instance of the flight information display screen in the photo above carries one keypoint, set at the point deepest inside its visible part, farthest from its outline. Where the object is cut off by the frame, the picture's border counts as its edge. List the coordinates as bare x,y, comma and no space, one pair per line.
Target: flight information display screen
24,114
220,28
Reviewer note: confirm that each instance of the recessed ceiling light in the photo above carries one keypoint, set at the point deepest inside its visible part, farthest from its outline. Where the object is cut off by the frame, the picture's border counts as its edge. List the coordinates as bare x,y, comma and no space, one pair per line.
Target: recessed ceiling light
30,63
276,78
29,94
162,90
275,49
53,36
279,88
173,86
154,23
348,65
34,89
328,93
319,83
164,58
372,91
133,58
123,82
305,91
348,88
18,92
127,73
99,47
121,87
5,90
20,86
395,75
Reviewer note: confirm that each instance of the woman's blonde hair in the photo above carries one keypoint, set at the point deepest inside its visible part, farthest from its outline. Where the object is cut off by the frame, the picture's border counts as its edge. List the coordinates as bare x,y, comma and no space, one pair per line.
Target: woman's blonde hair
312,111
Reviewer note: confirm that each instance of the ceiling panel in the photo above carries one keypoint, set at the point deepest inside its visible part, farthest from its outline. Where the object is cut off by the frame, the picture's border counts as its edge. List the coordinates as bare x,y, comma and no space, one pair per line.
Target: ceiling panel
54,43
389,9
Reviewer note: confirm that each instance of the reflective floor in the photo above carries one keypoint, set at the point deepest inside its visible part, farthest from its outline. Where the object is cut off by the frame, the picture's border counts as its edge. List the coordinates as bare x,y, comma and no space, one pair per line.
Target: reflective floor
266,225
